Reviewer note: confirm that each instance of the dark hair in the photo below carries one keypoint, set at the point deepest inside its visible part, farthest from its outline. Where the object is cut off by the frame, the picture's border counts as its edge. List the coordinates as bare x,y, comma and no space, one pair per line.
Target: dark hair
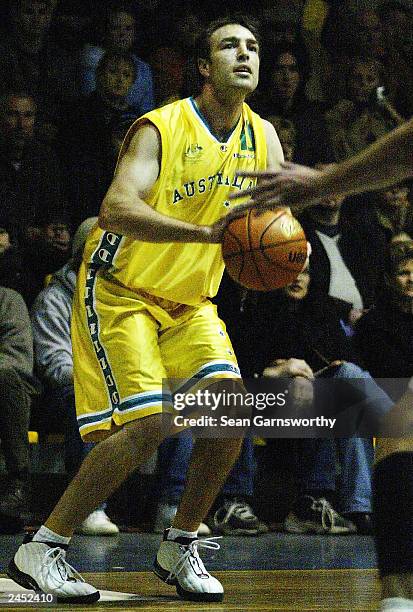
298,52
268,63
116,56
203,43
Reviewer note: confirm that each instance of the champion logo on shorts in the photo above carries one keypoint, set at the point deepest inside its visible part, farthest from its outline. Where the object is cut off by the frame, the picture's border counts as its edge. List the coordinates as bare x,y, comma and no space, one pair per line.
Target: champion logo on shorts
107,248
93,325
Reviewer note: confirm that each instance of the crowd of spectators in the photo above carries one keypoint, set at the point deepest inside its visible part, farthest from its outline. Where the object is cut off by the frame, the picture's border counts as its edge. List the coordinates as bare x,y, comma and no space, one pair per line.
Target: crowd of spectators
335,76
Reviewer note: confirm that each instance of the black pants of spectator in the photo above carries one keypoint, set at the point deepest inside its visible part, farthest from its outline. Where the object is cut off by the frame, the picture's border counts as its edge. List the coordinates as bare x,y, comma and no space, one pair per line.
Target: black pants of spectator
14,421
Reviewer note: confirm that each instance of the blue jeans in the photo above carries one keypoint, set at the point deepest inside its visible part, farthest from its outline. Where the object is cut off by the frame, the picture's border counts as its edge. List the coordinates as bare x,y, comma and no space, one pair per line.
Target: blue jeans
174,455
317,458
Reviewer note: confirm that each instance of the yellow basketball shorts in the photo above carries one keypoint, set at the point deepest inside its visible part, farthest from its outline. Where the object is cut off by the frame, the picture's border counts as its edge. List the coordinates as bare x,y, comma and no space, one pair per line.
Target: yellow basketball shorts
128,347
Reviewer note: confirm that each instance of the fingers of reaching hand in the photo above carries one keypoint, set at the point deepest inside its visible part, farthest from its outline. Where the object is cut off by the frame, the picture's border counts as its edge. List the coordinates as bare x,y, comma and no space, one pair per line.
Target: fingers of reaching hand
264,187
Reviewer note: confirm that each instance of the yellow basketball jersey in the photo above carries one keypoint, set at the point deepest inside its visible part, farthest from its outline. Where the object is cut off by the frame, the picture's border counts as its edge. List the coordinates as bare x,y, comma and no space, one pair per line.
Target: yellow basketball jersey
198,172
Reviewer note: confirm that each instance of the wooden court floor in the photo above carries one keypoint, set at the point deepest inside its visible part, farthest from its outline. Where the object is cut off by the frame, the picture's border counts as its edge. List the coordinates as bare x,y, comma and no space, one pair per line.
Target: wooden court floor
344,590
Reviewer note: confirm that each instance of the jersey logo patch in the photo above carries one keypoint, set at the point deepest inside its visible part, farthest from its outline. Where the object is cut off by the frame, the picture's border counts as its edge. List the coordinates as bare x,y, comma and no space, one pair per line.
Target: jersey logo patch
193,151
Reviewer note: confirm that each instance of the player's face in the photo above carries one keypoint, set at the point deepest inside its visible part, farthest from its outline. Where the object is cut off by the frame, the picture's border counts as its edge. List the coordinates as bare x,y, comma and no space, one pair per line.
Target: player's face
234,59
403,279
117,78
298,289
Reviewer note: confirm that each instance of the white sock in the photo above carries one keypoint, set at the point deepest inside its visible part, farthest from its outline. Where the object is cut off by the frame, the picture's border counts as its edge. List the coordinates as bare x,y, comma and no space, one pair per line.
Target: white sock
47,535
180,533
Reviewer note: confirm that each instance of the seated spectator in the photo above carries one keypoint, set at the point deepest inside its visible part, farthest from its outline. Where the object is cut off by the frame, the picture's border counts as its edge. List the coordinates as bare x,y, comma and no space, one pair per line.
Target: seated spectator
30,176
86,128
17,387
30,60
363,115
282,94
394,210
299,337
384,335
120,33
348,254
45,251
51,315
232,513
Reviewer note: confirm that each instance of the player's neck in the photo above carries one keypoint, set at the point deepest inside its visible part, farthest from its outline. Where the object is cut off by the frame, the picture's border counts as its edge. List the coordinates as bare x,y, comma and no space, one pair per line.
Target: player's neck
222,115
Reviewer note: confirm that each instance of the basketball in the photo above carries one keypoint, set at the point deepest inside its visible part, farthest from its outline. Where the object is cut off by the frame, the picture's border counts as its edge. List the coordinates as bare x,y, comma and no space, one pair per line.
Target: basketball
264,250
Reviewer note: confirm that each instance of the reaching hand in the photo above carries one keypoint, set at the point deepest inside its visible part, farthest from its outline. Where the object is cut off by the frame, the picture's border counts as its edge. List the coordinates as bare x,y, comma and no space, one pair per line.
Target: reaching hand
294,185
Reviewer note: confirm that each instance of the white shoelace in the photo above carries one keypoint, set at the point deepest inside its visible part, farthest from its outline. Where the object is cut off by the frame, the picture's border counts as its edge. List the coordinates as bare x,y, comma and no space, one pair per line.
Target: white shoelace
328,513
192,550
55,558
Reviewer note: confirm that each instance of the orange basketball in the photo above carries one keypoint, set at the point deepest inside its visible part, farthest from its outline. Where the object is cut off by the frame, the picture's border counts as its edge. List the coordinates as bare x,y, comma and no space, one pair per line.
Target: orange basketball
264,250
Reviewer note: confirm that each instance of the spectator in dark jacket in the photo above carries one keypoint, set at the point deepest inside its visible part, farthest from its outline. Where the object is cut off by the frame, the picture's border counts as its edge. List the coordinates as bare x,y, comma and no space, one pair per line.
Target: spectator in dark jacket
30,176
384,335
348,254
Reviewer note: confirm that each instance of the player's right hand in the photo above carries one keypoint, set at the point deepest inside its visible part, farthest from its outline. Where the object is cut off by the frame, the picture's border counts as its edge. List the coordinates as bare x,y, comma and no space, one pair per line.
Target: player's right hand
294,185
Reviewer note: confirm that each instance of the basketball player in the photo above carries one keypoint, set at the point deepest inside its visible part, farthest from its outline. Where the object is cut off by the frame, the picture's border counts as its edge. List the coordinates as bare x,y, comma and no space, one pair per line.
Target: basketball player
142,313
388,161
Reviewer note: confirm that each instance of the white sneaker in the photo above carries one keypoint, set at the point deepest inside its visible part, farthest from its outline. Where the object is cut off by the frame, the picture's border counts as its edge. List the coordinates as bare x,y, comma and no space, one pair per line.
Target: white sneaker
98,524
41,566
396,604
165,514
179,563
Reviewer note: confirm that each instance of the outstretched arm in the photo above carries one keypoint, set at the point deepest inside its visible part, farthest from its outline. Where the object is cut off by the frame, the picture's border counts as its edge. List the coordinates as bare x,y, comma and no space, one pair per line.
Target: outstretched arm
386,162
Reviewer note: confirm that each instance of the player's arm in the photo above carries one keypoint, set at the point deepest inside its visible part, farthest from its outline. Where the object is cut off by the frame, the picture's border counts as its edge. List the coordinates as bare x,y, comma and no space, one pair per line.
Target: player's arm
124,209
386,162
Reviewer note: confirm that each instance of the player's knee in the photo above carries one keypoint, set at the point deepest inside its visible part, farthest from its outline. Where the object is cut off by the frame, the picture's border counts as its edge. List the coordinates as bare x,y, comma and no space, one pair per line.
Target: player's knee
154,428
